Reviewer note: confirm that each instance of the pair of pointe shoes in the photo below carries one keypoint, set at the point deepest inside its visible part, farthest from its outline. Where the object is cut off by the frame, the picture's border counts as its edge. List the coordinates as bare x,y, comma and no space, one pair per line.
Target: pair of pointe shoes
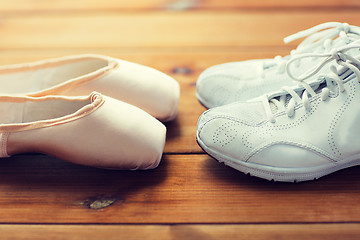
54,107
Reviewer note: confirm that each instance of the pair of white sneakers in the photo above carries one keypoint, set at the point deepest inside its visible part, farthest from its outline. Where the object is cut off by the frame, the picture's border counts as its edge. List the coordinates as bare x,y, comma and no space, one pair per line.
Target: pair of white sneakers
264,124
53,107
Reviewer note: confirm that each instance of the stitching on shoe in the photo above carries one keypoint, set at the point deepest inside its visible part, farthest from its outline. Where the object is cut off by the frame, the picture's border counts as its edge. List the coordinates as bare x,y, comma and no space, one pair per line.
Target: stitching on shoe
256,127
314,105
270,129
228,138
312,149
338,115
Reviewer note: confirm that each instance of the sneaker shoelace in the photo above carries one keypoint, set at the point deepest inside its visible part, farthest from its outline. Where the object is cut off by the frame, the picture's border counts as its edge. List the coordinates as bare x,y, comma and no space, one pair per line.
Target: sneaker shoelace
325,84
321,35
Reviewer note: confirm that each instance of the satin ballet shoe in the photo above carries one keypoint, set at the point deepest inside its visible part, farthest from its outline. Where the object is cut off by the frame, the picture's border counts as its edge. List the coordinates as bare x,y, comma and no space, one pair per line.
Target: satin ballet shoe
95,131
79,75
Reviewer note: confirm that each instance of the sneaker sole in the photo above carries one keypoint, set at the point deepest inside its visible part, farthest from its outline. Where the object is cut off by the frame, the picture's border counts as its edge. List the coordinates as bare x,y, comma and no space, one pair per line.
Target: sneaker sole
281,174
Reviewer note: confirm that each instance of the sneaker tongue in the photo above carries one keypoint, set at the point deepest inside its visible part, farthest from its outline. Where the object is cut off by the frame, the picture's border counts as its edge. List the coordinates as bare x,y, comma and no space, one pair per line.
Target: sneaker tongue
340,42
353,37
273,107
317,86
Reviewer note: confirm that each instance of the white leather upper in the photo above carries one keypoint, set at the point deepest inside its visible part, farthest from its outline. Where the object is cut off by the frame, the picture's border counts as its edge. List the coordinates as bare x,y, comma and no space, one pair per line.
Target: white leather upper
239,81
326,133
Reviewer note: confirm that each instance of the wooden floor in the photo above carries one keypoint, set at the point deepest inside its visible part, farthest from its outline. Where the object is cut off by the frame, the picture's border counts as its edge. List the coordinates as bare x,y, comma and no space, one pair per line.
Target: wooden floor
189,196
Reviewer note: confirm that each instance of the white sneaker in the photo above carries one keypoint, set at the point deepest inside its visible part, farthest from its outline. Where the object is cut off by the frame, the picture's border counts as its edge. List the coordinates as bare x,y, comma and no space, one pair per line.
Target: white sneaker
239,81
297,134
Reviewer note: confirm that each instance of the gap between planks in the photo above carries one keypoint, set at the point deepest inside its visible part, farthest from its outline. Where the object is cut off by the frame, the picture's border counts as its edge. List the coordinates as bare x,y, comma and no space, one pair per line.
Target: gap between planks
23,6
181,232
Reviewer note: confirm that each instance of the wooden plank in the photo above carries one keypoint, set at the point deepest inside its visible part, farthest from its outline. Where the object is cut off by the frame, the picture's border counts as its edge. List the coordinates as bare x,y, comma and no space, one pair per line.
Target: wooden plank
184,189
183,65
180,232
68,5
278,4
160,29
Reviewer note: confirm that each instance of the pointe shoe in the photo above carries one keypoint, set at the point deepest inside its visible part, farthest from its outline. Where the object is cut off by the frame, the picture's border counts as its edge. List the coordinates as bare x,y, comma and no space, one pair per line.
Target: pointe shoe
95,131
141,86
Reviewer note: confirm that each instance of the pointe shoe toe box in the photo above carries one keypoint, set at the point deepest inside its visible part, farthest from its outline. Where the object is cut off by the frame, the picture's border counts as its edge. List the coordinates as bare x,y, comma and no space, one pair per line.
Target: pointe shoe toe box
142,86
117,136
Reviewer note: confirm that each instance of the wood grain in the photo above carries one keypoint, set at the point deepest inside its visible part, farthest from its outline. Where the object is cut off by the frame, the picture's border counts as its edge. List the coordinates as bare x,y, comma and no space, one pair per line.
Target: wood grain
94,5
160,29
184,189
181,232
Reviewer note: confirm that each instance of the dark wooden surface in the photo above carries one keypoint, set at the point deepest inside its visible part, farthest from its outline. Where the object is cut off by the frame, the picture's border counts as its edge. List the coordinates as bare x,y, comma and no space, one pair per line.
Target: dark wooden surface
190,195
